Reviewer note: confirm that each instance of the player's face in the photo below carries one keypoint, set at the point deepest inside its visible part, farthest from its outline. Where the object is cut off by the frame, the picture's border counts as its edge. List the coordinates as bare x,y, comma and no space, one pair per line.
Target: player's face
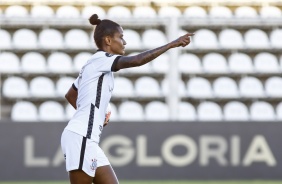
118,42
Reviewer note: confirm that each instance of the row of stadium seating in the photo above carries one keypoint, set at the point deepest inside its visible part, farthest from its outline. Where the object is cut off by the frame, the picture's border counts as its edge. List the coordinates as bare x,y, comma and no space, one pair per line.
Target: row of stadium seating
79,39
34,62
154,111
197,87
138,12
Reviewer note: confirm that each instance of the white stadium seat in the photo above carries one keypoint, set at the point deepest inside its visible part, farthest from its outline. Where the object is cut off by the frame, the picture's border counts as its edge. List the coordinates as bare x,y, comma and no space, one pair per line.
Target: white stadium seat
123,88
77,39
153,34
41,11
24,111
166,89
131,111
273,87
63,85
59,62
114,112
42,87
161,64
265,62
275,38
80,60
205,39
67,11
245,12
16,11
270,12
279,111
6,39
69,111
9,63
262,111
186,112
156,111
256,38
51,111
189,63
15,87
138,12
209,111
235,111
225,87
119,12
33,62
132,38
240,63
220,12
169,11
230,38
195,12
88,11
25,39
199,87
50,39
147,87
251,87
214,63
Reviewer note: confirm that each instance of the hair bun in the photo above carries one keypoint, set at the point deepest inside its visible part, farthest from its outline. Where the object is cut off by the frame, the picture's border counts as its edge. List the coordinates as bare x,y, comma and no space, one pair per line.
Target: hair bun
94,20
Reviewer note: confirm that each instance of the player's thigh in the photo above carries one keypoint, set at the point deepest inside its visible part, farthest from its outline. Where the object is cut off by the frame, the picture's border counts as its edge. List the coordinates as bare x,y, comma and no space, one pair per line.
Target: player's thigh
105,175
79,177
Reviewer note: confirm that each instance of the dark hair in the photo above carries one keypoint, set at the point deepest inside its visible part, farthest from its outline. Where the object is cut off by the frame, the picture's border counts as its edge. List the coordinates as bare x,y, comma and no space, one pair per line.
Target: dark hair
103,28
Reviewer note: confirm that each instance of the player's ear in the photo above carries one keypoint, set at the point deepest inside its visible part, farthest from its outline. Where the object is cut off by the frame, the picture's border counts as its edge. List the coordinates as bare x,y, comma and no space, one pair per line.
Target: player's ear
108,40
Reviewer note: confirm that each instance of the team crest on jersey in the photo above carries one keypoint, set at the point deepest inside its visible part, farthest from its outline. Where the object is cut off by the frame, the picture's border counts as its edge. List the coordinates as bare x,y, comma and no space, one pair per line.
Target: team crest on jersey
93,166
109,55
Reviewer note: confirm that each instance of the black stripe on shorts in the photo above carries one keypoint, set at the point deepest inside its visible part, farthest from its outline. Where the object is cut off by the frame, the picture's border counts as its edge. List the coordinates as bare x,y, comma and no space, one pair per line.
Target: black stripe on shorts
82,152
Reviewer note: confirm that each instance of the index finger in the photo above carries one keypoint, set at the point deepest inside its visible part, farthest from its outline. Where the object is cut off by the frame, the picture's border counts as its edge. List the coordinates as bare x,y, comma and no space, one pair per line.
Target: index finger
190,34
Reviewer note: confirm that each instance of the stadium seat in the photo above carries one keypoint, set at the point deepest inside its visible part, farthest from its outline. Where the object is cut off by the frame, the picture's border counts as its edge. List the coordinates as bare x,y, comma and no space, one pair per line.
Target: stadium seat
169,11
114,112
153,34
195,12
77,39
63,85
225,87
189,64
41,11
131,111
265,62
270,12
273,87
256,38
132,38
87,11
231,39
275,38
9,63
262,111
24,111
205,39
165,88
214,63
245,12
67,11
5,38
147,87
80,60
279,111
199,87
15,87
59,62
33,62
50,111
25,39
220,12
240,63
119,12
69,111
42,87
16,11
156,111
186,112
138,12
123,88
209,111
251,87
50,39
161,64
235,111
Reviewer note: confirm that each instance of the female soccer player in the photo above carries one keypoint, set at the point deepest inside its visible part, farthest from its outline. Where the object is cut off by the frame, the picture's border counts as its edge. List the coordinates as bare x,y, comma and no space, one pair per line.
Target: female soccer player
90,95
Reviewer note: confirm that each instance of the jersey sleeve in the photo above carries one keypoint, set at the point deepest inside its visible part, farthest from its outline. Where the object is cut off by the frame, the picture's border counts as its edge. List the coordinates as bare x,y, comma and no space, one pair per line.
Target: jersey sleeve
107,63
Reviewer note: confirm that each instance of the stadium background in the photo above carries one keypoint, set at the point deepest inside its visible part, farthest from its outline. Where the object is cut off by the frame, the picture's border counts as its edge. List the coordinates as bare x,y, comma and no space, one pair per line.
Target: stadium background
209,111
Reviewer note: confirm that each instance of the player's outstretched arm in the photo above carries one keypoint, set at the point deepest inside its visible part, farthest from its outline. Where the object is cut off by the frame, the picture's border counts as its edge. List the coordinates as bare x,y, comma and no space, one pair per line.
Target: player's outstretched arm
147,56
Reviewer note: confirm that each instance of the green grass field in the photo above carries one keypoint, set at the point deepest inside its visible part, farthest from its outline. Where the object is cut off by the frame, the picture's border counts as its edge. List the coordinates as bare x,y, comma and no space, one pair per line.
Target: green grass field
162,182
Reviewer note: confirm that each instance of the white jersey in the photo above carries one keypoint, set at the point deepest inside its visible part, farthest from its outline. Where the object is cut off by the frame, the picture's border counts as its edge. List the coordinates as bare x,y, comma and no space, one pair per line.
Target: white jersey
95,84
